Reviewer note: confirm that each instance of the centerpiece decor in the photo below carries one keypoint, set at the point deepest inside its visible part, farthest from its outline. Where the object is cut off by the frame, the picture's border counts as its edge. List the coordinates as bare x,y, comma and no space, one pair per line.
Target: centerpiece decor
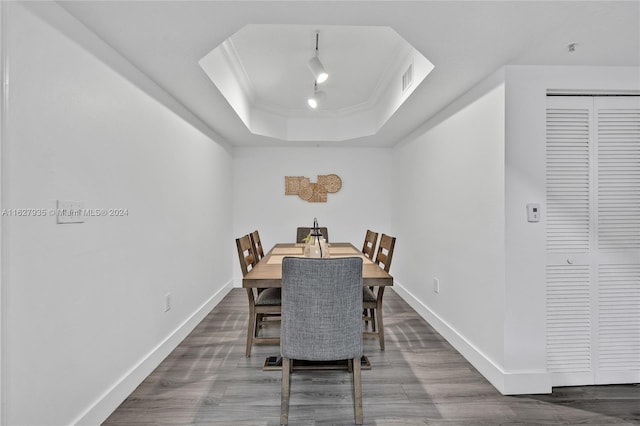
314,244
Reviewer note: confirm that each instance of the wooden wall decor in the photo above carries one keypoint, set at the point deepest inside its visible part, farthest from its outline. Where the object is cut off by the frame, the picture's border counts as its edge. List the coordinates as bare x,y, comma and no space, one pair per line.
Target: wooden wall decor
312,192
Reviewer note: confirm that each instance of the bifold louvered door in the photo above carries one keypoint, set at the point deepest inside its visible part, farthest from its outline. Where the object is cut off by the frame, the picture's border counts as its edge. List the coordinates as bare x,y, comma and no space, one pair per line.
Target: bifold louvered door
593,239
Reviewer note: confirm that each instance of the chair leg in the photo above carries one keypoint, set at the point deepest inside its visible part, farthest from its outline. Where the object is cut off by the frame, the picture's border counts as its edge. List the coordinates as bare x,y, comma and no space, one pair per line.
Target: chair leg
372,315
250,331
286,391
357,391
380,327
251,326
379,317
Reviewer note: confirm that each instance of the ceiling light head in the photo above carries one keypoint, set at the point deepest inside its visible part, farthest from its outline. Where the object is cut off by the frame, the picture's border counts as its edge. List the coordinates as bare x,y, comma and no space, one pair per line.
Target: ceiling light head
318,70
317,98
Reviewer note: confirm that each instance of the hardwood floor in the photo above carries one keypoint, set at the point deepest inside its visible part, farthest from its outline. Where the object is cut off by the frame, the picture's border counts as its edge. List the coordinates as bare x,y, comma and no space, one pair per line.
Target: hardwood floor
418,380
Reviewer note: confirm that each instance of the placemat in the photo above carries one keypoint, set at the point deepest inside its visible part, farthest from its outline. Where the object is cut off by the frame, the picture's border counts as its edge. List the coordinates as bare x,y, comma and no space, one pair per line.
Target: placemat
343,250
277,259
336,255
287,250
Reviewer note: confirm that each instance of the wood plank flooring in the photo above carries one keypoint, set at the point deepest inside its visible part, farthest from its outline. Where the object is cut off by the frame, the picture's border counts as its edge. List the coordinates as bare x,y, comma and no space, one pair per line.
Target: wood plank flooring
418,380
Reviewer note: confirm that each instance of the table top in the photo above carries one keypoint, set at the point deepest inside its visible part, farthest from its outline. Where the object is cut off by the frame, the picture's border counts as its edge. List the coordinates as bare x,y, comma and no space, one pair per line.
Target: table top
268,272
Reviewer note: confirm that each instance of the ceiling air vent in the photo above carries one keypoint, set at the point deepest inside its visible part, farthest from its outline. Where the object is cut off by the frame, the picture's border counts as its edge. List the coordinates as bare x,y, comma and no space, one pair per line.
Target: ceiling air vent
407,78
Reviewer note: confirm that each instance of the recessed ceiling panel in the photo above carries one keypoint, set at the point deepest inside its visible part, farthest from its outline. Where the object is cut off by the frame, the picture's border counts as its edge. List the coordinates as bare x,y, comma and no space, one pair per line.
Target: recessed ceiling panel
263,72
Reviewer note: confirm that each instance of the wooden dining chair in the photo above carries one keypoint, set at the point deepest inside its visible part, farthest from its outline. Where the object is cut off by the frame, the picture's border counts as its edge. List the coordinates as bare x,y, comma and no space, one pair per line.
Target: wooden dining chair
257,245
321,319
264,303
369,246
258,250
372,297
369,250
302,232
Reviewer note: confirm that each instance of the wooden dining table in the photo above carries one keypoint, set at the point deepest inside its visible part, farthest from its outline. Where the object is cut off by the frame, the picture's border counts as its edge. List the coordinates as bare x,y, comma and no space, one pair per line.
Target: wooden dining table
268,271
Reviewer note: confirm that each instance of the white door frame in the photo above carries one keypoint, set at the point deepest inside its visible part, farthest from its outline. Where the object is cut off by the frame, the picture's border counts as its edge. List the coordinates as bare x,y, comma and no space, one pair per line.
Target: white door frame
4,73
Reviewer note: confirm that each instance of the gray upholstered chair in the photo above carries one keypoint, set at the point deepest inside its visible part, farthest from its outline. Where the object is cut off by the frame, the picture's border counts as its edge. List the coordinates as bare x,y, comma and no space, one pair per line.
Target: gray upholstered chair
302,232
261,303
321,318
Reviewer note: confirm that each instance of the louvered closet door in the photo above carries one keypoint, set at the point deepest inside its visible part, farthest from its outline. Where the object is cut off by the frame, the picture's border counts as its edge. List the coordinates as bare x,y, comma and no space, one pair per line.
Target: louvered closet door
617,121
593,240
569,239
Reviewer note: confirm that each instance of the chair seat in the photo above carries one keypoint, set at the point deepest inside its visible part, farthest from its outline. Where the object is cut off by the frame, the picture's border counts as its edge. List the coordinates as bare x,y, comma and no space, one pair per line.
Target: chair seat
368,295
269,296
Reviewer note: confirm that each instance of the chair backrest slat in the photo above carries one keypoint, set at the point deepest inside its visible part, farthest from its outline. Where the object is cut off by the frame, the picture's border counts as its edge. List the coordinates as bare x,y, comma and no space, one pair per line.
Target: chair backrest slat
257,245
246,254
385,252
369,246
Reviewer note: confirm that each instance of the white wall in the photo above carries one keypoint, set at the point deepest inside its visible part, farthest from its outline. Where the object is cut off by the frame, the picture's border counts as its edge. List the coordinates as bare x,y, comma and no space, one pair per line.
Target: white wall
525,320
472,169
84,310
450,221
259,201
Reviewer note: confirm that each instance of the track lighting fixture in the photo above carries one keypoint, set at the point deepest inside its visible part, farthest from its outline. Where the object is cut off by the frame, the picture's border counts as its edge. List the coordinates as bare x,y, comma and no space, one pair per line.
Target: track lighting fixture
316,67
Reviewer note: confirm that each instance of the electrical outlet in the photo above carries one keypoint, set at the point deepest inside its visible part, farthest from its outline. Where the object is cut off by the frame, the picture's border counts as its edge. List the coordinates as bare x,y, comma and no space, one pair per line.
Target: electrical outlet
167,302
69,211
436,285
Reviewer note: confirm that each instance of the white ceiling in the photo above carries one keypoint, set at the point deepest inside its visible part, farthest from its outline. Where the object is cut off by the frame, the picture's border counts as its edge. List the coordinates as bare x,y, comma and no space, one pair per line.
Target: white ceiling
465,40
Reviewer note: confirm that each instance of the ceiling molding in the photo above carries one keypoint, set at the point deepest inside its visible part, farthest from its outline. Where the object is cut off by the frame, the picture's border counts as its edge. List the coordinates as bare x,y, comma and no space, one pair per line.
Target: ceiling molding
237,68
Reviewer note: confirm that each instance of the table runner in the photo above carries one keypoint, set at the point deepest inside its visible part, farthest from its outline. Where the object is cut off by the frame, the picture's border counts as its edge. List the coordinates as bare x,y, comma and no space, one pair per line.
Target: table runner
277,259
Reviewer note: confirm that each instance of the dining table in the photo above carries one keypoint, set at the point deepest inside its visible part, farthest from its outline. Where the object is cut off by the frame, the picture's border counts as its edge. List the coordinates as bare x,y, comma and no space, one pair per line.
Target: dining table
268,271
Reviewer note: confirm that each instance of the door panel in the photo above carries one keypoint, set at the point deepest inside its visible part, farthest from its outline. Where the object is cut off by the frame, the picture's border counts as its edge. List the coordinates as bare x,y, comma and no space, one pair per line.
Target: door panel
593,240
617,137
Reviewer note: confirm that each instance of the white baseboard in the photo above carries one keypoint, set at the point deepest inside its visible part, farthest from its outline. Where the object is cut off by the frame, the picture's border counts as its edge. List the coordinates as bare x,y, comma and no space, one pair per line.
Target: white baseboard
506,382
113,397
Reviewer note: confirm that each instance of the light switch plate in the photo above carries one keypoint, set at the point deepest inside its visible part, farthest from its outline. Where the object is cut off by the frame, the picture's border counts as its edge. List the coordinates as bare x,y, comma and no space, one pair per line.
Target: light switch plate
69,211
